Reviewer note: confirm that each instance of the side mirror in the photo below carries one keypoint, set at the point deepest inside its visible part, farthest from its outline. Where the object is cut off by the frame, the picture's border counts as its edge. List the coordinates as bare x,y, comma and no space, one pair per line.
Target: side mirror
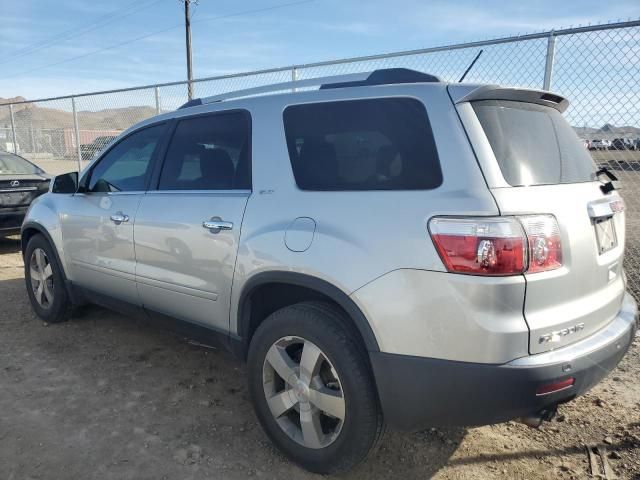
66,183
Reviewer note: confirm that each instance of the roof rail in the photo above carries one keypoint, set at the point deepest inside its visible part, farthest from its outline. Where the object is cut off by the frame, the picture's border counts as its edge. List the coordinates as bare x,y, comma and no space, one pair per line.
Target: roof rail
376,77
386,76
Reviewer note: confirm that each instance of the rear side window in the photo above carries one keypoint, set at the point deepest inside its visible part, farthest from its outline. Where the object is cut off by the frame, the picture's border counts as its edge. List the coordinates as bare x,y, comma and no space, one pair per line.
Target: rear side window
533,144
381,144
209,153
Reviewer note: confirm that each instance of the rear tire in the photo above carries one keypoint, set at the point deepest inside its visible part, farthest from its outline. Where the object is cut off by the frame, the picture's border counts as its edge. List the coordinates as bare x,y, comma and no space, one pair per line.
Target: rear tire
45,282
312,388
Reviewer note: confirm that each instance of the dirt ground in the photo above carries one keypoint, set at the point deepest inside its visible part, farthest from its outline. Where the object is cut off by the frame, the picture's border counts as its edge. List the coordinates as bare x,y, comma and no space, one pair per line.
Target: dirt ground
105,396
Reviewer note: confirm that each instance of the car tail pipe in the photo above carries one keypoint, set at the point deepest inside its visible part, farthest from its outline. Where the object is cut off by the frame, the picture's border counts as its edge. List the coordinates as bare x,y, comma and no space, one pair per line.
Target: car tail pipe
535,420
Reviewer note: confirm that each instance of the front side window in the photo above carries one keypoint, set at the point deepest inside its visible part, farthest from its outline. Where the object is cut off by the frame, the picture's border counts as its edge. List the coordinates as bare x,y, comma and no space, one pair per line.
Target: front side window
126,167
380,144
209,153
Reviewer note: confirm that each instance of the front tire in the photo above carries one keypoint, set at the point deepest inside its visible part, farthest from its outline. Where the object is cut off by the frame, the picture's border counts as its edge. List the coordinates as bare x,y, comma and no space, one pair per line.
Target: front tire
45,282
312,388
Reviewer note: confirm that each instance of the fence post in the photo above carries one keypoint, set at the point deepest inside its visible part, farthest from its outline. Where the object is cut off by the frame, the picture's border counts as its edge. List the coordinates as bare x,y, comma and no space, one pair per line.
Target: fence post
76,133
157,93
548,68
294,76
13,130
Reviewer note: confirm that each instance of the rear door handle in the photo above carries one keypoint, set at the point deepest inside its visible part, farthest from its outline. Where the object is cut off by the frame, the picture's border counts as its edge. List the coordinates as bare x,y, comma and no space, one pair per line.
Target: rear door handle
216,224
119,218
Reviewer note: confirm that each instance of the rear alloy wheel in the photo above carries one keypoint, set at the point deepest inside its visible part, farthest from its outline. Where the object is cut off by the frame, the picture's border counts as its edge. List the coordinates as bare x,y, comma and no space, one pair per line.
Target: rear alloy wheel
45,282
312,387
303,391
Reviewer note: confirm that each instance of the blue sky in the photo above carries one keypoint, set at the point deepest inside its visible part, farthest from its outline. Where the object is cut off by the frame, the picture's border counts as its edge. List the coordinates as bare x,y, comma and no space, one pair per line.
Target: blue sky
232,36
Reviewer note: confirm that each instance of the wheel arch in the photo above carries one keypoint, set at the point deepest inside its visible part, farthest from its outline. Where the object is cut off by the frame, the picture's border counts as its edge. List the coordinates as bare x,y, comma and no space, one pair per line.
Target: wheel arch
302,286
29,229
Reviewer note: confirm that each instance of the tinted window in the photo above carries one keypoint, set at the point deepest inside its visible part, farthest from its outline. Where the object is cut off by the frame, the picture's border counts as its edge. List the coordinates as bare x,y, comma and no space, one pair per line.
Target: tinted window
382,144
13,164
126,167
208,153
534,145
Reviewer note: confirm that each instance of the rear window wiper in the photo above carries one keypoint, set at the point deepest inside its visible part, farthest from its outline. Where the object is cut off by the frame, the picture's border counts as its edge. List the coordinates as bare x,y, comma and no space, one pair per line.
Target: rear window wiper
606,187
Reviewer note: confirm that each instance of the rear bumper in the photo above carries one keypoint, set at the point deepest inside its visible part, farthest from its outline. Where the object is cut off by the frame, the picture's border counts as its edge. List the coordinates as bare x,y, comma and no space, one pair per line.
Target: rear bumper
418,392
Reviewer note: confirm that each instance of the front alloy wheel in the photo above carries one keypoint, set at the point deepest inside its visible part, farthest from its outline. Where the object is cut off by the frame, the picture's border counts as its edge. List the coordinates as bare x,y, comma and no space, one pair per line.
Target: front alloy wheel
41,276
45,282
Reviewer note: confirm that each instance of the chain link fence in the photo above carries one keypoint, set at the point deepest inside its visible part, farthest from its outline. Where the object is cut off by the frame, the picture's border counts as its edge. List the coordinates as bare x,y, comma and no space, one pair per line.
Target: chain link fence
596,67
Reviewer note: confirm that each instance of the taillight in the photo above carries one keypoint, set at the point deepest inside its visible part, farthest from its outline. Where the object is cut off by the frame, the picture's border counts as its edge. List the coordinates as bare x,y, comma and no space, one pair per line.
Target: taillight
545,247
497,245
482,246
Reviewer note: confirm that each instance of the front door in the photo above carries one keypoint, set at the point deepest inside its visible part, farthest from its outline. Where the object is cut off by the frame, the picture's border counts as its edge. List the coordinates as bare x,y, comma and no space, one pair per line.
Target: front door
187,231
98,222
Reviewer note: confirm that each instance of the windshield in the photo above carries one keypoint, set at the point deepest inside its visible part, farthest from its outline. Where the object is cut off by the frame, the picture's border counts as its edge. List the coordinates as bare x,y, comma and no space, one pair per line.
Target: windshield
12,164
534,144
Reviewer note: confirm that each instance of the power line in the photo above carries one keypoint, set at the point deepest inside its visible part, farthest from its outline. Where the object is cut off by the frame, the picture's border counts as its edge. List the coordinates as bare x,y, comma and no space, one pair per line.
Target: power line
142,37
73,33
55,37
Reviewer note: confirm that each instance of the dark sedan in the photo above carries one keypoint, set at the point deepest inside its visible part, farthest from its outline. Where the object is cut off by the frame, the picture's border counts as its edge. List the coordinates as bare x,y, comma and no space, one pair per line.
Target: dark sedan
89,150
20,182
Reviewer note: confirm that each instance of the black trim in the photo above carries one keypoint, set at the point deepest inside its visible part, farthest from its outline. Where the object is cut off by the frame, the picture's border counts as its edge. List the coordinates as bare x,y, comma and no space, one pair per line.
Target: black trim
307,281
154,178
191,103
416,392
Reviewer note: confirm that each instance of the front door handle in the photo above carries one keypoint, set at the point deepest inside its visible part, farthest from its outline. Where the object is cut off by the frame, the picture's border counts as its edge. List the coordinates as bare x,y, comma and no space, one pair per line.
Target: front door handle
216,224
119,218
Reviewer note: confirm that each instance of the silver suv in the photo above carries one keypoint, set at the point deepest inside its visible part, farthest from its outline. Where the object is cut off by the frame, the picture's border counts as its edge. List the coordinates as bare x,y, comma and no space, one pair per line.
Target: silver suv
385,250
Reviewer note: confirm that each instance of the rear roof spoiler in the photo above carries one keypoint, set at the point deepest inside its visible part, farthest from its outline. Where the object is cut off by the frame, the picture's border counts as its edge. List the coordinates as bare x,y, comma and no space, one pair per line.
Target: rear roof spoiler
469,93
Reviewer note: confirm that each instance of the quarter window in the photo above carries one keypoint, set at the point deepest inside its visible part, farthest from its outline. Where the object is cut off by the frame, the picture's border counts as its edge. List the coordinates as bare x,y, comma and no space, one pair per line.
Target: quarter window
381,144
126,167
208,153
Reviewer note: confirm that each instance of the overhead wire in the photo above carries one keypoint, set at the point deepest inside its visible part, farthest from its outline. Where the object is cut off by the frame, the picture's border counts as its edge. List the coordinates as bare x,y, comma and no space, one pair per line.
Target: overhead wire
73,33
156,32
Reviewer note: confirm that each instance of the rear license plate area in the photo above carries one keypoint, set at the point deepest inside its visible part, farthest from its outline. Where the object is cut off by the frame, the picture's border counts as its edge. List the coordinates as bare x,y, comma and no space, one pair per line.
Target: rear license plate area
605,234
14,199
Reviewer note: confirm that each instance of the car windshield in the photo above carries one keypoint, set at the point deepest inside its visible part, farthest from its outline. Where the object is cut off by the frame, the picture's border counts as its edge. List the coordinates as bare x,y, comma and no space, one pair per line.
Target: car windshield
13,164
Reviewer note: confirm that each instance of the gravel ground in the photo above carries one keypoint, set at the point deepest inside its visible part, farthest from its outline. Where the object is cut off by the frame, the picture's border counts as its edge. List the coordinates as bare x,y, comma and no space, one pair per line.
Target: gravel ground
109,397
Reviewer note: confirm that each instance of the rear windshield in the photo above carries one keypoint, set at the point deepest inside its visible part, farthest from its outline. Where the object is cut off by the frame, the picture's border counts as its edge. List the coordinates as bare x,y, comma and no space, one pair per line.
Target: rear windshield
534,144
12,164
378,144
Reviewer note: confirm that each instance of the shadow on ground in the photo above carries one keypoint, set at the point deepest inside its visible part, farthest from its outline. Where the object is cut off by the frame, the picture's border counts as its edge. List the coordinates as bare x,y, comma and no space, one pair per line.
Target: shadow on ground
109,396
9,245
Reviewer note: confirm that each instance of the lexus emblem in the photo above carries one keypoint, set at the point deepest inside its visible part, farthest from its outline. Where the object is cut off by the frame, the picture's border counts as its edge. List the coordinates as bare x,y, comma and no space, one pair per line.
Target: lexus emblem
15,183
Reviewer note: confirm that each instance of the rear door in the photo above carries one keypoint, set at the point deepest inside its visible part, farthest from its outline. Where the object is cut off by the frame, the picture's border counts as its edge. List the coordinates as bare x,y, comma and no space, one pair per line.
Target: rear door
535,164
188,228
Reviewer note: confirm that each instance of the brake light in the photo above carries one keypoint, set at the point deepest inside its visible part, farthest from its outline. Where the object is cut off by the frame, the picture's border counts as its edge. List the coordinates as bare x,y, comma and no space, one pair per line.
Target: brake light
481,246
497,245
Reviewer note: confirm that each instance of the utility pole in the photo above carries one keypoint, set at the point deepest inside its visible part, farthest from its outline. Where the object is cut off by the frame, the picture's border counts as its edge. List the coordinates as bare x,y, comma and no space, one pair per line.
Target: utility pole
187,26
